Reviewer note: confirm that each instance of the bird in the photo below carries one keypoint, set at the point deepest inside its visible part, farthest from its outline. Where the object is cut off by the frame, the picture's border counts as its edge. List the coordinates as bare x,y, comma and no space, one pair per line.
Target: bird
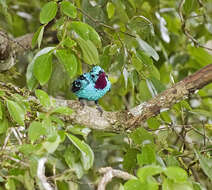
91,86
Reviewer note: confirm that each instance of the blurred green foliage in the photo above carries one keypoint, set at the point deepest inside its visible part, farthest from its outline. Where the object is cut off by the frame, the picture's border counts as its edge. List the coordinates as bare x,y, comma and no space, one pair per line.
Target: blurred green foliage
143,48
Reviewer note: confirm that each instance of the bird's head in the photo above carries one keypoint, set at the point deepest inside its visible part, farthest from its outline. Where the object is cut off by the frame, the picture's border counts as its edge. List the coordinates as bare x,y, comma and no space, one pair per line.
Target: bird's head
98,76
96,72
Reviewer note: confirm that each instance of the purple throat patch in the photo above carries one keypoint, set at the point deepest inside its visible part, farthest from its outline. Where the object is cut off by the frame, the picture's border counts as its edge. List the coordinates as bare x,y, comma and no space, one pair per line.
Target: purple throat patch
101,82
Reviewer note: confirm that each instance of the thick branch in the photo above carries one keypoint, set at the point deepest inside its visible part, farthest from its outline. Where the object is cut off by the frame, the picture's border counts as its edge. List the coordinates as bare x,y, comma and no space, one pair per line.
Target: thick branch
169,97
109,174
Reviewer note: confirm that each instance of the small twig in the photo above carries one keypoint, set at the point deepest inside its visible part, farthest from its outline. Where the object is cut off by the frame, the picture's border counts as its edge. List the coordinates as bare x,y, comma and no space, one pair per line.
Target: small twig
204,136
16,135
41,174
202,151
103,24
16,160
109,173
6,139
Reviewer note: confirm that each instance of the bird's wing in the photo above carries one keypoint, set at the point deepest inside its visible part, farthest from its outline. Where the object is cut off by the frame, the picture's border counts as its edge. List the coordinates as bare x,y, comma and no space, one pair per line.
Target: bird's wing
81,82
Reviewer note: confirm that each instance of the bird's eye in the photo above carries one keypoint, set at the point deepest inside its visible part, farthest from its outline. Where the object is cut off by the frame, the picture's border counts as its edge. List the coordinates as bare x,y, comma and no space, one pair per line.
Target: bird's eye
100,72
92,76
81,77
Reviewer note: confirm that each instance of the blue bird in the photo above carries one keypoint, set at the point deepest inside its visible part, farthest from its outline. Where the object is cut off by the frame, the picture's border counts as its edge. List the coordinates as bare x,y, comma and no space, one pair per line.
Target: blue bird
92,86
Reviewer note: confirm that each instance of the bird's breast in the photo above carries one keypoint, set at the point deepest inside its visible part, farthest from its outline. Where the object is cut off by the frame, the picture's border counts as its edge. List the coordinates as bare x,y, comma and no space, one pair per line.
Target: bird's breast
101,82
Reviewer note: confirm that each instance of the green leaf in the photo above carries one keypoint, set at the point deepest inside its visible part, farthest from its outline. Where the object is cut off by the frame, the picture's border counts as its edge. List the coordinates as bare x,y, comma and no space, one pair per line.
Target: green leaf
151,88
157,84
57,120
165,116
132,2
3,124
186,105
90,53
16,112
144,93
72,158
10,185
171,185
140,135
28,181
200,55
43,68
69,60
23,102
147,156
189,6
176,173
146,171
153,123
43,98
148,69
144,58
48,12
87,155
2,93
110,9
69,9
69,43
163,29
35,130
141,26
201,112
147,48
197,186
38,36
205,163
1,111
133,184
137,63
79,130
31,80
86,32
52,143
27,149
129,162
63,110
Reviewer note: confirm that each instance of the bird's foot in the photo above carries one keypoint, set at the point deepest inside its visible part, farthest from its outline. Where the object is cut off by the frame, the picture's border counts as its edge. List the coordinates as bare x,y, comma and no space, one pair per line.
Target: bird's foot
81,103
100,110
98,107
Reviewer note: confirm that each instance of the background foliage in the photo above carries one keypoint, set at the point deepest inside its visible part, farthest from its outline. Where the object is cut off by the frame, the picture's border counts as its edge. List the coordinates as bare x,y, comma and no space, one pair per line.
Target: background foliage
143,47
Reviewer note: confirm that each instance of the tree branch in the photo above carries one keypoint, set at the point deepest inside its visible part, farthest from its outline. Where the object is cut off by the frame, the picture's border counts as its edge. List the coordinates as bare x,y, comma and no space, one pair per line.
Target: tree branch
41,174
110,173
9,47
130,119
119,121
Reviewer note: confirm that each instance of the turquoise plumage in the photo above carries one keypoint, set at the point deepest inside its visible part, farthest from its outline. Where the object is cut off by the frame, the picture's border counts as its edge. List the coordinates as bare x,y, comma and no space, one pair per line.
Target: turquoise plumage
91,86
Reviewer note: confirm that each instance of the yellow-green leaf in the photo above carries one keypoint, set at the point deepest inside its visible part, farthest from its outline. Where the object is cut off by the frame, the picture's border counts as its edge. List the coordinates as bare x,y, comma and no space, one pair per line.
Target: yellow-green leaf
48,12
90,53
110,9
69,9
87,155
16,112
43,68
69,60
